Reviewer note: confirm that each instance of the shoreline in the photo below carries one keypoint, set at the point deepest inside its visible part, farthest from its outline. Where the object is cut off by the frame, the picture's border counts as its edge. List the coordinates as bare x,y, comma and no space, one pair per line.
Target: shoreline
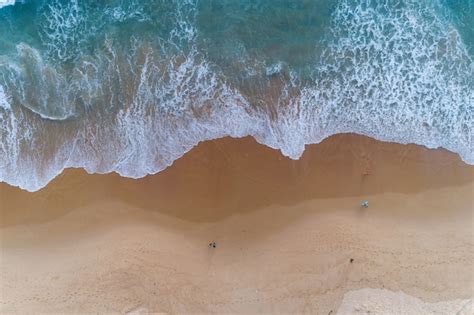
284,228
248,138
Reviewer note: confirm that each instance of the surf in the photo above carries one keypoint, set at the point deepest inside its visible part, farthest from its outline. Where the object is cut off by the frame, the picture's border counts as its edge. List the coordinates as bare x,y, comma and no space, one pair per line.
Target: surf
127,88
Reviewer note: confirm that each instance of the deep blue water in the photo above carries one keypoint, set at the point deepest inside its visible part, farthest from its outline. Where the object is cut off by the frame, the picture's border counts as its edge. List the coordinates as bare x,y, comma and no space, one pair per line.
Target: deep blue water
129,86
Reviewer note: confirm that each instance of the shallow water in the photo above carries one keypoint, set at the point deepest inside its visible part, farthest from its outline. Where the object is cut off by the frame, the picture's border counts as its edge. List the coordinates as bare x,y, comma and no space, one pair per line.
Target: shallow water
130,86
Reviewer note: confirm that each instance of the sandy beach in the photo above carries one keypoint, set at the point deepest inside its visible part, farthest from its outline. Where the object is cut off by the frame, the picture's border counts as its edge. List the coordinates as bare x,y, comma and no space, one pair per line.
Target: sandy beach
291,236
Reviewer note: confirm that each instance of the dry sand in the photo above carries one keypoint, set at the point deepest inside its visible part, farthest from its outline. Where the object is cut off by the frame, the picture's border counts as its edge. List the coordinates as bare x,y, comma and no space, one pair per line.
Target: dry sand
286,232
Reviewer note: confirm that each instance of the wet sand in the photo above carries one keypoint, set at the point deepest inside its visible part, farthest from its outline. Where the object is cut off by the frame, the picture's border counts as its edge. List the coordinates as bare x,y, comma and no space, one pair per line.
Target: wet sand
291,235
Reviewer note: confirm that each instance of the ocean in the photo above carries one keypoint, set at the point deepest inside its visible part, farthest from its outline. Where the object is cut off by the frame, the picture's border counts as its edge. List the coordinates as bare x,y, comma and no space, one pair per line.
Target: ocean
130,86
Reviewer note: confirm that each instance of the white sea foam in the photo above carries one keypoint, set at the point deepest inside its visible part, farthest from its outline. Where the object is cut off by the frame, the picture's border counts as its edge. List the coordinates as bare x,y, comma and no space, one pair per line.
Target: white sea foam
4,3
274,69
4,99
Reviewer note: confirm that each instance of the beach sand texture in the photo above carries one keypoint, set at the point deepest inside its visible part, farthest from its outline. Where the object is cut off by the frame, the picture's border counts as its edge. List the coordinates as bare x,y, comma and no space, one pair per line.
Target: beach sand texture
290,236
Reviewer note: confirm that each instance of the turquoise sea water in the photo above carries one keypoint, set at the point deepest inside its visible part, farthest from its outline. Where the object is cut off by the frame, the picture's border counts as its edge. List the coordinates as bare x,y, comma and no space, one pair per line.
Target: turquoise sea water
129,86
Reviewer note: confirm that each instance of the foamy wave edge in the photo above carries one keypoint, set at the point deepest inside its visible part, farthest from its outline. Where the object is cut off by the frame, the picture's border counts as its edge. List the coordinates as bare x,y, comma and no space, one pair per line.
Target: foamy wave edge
4,3
33,187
